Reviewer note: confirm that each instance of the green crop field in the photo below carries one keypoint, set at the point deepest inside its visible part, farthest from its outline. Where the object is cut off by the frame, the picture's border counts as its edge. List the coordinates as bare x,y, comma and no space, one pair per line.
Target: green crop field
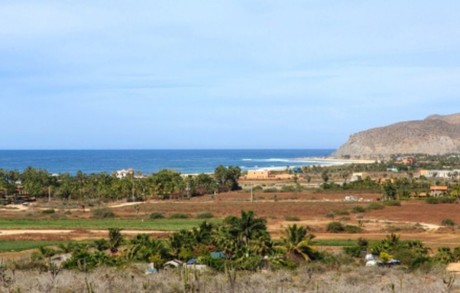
19,245
134,224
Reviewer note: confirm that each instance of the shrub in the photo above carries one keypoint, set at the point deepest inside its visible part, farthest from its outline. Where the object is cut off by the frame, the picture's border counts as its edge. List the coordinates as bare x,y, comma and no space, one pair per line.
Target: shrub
448,222
288,188
375,206
335,227
179,216
103,213
358,209
353,229
330,215
341,212
394,203
48,211
156,216
437,200
257,188
204,215
291,218
354,251
271,189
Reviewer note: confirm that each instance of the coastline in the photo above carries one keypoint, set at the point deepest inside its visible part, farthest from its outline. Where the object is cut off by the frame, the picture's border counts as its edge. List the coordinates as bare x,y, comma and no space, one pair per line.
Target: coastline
336,161
316,161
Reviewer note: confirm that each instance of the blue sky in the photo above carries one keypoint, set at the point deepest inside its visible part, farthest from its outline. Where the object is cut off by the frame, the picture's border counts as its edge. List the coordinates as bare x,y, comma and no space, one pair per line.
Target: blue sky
221,74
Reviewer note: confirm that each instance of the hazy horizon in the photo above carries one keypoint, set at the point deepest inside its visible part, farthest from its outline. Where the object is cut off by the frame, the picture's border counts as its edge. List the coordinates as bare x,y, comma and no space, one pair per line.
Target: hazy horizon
95,75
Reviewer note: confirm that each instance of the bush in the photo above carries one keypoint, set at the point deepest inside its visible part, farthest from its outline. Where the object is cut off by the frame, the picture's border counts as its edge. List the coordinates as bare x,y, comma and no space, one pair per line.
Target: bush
291,218
103,213
330,215
437,200
341,212
156,216
375,206
448,222
393,203
335,227
353,229
179,216
271,189
48,211
358,209
257,188
354,251
204,215
288,188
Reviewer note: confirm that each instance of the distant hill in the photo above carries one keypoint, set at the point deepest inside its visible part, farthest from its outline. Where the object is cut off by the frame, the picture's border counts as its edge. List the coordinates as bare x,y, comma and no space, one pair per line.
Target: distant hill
434,135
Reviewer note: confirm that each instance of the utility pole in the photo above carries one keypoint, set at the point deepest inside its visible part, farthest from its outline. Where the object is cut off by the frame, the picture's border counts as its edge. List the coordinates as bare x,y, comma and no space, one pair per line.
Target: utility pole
187,188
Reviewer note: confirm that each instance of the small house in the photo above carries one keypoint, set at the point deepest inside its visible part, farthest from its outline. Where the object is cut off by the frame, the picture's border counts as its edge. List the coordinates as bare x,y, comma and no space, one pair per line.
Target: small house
438,190
175,263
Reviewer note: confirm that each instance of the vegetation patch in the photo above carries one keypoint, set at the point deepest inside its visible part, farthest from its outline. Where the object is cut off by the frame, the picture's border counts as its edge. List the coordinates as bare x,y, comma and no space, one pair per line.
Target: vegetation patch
448,222
156,215
353,229
341,212
330,215
48,211
438,200
393,203
179,216
20,245
291,218
135,224
335,227
375,206
271,189
288,188
103,213
334,242
204,215
358,209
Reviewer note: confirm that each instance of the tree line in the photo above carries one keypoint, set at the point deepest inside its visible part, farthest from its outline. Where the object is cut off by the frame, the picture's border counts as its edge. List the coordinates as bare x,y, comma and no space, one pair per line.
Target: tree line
240,243
164,184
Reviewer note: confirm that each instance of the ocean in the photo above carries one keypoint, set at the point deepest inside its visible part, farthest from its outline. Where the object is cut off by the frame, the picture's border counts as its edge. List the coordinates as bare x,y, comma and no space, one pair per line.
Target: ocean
150,161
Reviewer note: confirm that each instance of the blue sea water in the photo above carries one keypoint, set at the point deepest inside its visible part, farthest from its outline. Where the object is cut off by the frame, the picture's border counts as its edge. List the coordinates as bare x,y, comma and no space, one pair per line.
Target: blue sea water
149,161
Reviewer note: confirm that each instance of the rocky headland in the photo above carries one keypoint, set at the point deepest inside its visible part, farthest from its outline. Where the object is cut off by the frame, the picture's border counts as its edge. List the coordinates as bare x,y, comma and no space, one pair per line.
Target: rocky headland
435,135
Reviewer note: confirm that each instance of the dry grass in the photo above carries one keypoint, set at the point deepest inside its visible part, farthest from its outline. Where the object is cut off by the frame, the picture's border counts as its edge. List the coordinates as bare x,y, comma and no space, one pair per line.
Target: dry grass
311,278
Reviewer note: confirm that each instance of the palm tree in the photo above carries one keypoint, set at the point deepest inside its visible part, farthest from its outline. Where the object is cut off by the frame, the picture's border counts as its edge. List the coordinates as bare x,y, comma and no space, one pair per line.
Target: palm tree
261,246
115,239
182,240
203,233
297,243
145,249
249,227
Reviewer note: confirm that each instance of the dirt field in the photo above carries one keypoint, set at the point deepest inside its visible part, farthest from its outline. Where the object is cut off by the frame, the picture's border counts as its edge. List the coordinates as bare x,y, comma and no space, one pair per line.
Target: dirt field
412,220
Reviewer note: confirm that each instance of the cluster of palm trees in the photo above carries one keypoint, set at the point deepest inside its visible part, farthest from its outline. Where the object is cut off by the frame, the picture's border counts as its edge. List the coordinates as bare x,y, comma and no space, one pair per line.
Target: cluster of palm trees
103,186
238,242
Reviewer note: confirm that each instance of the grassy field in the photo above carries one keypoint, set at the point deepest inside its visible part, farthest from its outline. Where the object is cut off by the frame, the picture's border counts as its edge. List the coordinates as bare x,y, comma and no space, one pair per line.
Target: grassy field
134,224
333,242
20,245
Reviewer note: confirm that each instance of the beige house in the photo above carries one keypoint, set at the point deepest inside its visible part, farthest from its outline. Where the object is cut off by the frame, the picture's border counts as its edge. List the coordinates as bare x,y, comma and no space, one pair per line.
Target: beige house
438,190
266,175
257,175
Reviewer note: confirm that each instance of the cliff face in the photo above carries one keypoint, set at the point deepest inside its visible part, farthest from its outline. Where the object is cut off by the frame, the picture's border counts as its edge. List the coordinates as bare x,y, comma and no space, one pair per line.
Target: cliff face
434,135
